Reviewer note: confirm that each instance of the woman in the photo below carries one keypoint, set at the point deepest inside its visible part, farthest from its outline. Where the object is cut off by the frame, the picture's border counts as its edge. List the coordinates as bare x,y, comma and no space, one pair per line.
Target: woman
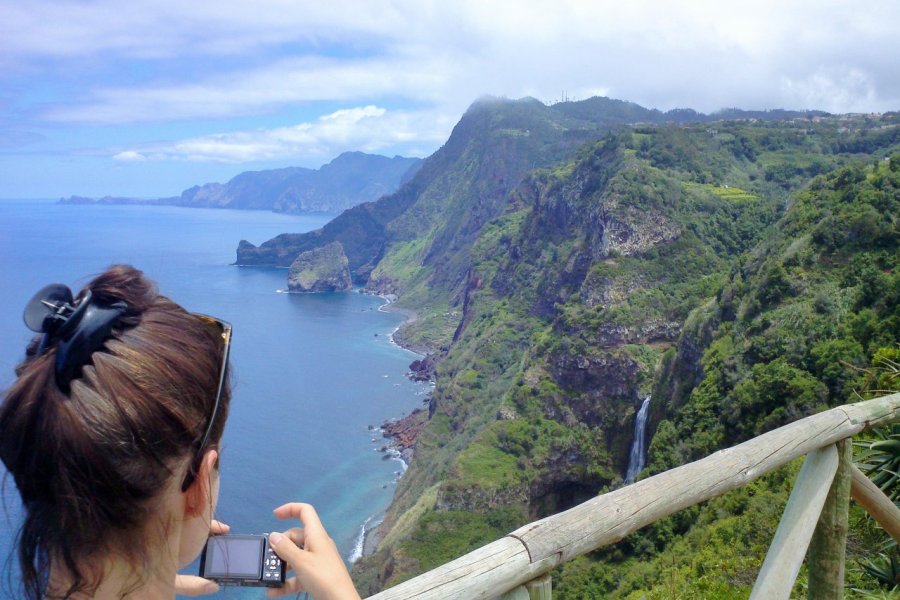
111,432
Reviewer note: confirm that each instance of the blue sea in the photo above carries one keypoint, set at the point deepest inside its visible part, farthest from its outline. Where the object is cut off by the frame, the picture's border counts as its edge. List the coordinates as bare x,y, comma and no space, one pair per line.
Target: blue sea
311,373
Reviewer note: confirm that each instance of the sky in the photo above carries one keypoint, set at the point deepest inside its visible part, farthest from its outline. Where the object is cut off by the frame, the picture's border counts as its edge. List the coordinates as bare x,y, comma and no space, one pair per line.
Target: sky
149,97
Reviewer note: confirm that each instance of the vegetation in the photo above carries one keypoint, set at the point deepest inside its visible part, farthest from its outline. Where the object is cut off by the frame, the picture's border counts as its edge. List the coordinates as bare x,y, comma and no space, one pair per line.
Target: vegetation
795,326
741,272
799,318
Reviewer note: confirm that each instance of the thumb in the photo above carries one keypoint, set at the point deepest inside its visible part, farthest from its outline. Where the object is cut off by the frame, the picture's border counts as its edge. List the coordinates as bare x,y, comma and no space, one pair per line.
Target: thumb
191,585
285,548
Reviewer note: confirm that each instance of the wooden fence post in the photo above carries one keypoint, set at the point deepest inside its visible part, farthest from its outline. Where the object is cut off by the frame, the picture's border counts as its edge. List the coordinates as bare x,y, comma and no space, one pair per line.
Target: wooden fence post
540,588
798,521
828,546
536,589
517,593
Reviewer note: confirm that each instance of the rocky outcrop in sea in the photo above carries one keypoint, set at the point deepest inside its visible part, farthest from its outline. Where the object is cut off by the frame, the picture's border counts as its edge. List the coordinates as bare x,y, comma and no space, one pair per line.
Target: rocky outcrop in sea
323,269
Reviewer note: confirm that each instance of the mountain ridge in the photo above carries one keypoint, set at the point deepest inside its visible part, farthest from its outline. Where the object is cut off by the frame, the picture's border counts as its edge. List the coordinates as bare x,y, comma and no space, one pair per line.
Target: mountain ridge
582,120
346,181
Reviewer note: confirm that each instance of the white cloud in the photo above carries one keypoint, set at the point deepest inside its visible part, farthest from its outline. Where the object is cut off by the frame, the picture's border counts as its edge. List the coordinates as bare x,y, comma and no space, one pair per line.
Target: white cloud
129,156
174,28
91,67
367,128
277,53
836,90
266,88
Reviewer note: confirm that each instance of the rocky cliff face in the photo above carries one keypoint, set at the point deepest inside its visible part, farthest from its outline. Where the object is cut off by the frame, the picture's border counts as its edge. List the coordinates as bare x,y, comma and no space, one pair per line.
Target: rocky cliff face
420,237
360,230
323,269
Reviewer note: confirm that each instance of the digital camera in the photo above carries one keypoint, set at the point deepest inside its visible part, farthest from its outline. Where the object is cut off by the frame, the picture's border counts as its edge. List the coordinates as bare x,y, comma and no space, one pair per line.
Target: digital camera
245,560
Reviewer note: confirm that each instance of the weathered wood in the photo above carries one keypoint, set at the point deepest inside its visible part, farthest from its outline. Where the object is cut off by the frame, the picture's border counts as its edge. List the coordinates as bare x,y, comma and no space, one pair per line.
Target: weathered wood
537,548
779,570
607,519
827,549
536,589
540,588
875,502
487,572
519,593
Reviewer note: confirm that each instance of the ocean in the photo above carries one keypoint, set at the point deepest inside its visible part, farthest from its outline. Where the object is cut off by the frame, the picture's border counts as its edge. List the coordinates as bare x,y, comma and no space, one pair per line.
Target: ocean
311,373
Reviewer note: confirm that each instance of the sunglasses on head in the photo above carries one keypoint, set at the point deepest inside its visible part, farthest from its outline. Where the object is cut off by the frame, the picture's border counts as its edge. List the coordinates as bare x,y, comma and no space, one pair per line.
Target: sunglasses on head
222,329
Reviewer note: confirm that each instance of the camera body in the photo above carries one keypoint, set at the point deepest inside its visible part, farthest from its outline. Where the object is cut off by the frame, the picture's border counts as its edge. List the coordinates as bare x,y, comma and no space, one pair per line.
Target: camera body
244,560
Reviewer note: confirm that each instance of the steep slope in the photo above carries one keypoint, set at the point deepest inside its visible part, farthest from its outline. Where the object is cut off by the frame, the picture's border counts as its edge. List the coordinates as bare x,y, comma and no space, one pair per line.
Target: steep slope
796,321
418,240
572,298
441,209
805,321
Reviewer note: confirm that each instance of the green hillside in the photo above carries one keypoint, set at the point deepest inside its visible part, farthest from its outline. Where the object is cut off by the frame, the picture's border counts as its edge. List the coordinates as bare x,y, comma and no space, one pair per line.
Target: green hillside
574,306
807,320
568,261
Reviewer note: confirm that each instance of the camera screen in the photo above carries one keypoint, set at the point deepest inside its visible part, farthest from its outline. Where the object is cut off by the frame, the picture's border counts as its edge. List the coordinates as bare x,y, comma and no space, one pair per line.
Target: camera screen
234,557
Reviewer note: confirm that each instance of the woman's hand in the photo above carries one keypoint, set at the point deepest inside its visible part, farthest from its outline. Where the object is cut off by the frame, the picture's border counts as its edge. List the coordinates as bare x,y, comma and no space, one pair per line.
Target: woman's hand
191,585
312,555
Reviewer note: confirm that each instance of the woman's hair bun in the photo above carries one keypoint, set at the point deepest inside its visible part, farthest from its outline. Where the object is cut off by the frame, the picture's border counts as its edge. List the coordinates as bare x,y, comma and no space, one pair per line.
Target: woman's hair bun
90,465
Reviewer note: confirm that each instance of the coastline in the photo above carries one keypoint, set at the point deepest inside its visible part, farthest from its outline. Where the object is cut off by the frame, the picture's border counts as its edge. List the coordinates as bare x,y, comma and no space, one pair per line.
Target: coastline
400,433
400,447
410,316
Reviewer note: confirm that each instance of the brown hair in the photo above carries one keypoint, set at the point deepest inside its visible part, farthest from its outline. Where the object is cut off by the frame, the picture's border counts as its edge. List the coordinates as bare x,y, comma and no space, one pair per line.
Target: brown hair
90,464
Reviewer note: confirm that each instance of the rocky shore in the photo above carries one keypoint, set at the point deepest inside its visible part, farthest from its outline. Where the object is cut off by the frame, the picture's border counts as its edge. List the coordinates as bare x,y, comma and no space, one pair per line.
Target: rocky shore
423,369
403,433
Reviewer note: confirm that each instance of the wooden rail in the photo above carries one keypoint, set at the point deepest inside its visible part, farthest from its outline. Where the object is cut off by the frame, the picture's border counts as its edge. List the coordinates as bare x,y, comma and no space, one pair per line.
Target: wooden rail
503,567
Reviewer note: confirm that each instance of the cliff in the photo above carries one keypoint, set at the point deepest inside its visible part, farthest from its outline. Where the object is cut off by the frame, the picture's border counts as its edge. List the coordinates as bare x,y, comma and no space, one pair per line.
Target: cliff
797,322
597,283
323,269
459,188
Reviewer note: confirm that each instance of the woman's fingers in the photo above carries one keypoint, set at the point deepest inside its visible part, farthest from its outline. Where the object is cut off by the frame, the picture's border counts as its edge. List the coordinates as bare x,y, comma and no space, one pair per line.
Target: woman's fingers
312,526
191,585
318,564
218,527
291,586
297,535
286,549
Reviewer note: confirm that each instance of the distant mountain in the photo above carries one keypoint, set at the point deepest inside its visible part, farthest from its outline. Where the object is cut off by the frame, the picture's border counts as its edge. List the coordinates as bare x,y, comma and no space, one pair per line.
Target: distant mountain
350,179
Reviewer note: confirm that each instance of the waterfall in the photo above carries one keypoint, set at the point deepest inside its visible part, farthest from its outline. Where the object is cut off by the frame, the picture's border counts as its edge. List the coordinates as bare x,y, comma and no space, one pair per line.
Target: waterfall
639,446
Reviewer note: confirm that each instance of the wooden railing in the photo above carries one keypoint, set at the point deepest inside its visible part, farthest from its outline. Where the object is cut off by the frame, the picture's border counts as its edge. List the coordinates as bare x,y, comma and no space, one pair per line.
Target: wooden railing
517,566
